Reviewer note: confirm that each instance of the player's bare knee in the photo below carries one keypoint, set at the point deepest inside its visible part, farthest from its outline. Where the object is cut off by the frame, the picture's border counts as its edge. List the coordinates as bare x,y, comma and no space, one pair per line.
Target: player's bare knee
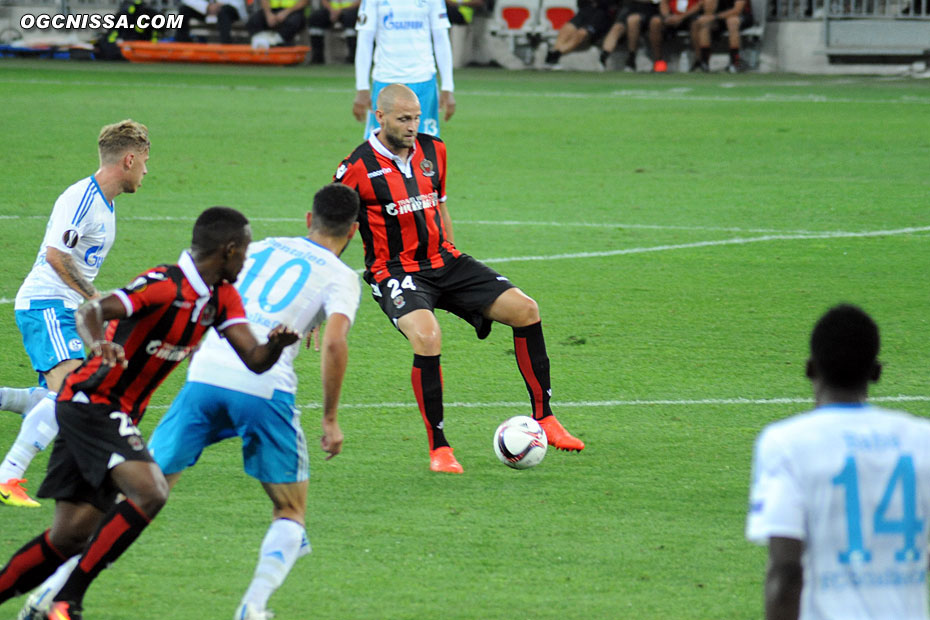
69,541
151,497
427,341
525,311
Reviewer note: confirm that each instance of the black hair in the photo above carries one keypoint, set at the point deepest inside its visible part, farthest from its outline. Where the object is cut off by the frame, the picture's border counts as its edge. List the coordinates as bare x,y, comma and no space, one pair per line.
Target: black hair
844,346
216,227
335,208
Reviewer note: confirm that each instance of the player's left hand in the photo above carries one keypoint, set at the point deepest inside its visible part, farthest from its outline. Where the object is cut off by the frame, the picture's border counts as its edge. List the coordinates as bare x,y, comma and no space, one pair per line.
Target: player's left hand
447,103
331,441
282,336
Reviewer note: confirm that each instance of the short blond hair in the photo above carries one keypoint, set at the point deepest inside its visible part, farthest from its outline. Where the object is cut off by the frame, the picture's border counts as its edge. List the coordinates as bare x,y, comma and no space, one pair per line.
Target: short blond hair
114,140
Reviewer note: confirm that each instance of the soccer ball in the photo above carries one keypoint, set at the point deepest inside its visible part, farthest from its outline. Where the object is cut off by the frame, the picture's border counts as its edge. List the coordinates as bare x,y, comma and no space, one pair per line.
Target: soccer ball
520,442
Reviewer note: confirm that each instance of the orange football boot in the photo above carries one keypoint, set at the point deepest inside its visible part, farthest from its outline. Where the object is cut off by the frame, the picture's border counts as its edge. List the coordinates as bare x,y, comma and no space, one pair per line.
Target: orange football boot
558,437
442,460
12,493
62,610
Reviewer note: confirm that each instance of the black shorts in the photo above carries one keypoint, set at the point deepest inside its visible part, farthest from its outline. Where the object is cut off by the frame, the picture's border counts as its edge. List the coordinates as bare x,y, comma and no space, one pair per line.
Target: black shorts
593,20
646,11
92,439
465,287
683,25
719,26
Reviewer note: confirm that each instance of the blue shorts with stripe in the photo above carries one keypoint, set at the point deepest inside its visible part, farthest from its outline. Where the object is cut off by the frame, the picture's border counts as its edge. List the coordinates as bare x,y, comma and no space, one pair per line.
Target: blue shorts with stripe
428,94
50,335
273,446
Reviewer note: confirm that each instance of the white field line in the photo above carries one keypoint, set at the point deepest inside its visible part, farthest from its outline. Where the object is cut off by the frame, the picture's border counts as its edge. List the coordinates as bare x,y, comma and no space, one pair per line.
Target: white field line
698,402
552,224
696,244
719,242
670,94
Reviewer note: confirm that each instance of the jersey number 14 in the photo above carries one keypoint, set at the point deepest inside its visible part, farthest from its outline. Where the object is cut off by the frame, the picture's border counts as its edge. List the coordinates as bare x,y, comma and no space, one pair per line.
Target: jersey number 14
908,525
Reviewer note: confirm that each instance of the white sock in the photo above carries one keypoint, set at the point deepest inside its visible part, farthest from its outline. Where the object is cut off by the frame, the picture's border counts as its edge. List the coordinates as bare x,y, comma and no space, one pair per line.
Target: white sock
51,586
285,541
20,400
36,433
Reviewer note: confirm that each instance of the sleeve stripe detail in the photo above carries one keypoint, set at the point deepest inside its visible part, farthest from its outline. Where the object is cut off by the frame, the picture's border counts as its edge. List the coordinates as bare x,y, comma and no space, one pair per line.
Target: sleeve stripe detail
231,322
123,297
86,201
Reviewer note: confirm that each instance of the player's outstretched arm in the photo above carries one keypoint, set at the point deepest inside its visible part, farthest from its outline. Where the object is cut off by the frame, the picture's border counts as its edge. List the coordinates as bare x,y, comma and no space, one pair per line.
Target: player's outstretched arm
259,357
333,362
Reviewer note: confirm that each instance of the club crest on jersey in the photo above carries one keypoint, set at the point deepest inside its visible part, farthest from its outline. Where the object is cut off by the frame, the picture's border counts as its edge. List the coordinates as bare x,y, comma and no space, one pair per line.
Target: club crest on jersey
135,443
399,302
70,238
208,315
427,167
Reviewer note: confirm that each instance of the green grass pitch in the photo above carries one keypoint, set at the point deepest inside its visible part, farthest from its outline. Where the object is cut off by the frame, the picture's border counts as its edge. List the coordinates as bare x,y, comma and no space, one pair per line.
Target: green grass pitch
681,235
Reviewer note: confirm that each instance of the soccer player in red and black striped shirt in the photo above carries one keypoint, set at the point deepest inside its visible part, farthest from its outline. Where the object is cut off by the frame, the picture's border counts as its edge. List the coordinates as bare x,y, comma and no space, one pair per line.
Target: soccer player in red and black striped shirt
154,324
413,267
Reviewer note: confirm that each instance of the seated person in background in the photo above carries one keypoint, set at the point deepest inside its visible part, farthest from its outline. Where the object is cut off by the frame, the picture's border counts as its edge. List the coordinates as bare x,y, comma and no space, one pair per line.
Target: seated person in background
614,34
284,17
634,15
674,15
332,13
737,15
222,13
462,12
590,23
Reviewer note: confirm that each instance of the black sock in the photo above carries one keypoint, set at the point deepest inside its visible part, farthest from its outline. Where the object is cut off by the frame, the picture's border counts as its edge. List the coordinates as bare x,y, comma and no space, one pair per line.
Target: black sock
734,56
705,55
631,60
530,347
118,529
426,378
29,567
316,48
553,56
604,56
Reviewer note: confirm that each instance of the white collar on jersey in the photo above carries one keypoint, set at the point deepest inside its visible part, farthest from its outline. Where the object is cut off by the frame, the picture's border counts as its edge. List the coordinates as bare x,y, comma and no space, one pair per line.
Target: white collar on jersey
402,165
189,269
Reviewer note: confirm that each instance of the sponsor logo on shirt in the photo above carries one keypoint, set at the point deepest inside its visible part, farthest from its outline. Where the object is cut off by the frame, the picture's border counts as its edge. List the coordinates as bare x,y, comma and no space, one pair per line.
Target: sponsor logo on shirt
389,23
413,204
92,256
378,173
167,351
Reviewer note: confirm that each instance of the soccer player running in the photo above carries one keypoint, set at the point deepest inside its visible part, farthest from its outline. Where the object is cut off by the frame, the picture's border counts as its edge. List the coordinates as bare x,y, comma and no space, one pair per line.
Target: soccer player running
413,267
78,237
294,281
841,494
137,335
409,40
